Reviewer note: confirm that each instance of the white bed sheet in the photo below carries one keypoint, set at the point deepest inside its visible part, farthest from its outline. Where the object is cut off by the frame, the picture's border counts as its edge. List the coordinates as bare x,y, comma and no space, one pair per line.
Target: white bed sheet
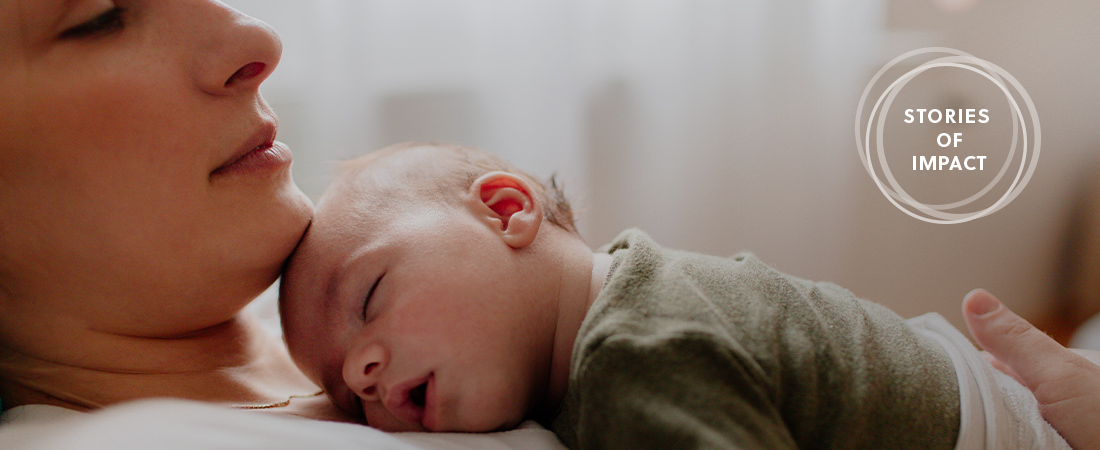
178,424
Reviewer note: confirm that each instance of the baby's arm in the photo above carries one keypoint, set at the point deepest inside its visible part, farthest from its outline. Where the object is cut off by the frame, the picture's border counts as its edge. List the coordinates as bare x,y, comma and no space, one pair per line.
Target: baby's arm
682,391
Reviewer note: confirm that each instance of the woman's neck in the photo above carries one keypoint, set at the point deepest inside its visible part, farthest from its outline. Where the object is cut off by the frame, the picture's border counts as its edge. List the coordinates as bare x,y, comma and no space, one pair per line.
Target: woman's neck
236,363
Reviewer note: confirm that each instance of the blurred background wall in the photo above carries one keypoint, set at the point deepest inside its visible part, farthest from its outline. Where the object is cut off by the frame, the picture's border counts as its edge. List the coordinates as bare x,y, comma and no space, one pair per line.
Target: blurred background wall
715,125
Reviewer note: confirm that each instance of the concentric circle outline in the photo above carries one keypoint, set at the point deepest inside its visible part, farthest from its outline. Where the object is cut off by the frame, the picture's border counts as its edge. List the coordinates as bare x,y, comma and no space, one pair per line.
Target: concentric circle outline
885,110
882,154
935,210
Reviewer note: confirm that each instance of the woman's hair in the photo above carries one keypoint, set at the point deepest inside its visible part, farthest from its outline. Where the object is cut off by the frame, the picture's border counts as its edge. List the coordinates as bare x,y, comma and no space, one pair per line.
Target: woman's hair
441,172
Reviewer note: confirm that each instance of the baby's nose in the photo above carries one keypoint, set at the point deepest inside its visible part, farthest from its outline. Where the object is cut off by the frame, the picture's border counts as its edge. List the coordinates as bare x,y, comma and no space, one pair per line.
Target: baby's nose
370,390
362,369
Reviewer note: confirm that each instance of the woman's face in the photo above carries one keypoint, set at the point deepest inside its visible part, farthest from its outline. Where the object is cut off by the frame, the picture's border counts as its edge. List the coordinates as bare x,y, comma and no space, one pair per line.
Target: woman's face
125,204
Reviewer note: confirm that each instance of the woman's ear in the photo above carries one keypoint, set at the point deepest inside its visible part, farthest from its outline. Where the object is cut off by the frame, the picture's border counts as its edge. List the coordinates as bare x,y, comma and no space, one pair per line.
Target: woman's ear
507,204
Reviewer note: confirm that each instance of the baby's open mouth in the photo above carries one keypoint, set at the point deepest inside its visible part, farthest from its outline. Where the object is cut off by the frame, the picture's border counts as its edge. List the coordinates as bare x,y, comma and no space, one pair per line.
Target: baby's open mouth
409,400
417,394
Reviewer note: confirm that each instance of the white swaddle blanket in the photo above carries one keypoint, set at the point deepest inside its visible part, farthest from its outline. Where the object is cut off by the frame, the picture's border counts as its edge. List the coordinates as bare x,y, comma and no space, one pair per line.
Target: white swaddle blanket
997,411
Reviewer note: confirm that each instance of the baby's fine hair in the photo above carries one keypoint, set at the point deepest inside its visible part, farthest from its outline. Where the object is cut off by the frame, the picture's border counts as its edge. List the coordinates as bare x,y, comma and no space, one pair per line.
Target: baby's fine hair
442,172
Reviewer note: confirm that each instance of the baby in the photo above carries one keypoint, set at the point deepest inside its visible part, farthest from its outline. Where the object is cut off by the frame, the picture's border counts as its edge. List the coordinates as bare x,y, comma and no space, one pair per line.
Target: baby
440,288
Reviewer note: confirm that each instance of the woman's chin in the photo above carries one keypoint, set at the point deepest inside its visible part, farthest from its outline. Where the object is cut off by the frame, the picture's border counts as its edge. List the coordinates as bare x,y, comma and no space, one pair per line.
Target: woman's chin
263,234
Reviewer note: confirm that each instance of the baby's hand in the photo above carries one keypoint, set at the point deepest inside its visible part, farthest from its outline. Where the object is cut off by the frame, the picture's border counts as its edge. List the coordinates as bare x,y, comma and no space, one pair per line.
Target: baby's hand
1066,383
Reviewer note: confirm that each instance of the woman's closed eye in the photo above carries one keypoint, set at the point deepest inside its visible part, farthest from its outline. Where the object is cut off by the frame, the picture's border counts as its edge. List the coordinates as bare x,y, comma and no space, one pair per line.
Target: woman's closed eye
366,300
110,21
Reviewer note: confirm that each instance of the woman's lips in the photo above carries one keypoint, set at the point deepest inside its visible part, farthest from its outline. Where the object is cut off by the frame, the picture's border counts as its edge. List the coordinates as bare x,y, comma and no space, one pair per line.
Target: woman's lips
266,157
260,152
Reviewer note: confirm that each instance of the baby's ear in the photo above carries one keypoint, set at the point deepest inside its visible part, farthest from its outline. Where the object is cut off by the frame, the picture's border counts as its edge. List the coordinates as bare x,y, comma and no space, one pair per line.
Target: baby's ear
507,204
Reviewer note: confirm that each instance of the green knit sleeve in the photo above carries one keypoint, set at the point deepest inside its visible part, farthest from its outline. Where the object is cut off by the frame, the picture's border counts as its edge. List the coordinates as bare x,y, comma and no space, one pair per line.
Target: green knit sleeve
681,390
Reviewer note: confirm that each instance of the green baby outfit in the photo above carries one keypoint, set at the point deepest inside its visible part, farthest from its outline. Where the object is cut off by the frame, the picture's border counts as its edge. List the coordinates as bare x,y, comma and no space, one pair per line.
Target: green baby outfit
682,350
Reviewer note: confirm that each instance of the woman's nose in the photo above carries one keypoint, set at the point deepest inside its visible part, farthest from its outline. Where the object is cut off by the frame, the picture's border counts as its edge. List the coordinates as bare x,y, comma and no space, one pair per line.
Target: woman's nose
237,52
362,369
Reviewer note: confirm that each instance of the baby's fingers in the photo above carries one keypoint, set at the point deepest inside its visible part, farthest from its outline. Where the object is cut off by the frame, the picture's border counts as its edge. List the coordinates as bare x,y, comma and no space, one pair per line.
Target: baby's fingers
1066,384
997,364
1033,355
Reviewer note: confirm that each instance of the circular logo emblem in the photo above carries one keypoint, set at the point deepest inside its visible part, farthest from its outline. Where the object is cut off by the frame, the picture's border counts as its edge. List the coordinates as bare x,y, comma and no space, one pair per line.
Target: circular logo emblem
946,153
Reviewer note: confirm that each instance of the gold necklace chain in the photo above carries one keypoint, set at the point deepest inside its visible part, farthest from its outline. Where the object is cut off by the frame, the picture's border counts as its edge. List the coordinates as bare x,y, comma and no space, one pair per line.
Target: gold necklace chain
278,404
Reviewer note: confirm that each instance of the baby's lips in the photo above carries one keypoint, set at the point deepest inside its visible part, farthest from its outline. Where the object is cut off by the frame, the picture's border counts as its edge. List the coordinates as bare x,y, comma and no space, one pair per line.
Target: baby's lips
401,405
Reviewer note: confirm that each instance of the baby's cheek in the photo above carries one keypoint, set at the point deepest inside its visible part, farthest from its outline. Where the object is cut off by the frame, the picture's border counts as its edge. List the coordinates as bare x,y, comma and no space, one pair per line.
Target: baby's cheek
495,409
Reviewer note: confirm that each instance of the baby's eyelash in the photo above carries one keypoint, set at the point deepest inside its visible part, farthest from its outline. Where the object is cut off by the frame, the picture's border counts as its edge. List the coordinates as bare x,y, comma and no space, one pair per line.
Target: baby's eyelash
366,300
111,20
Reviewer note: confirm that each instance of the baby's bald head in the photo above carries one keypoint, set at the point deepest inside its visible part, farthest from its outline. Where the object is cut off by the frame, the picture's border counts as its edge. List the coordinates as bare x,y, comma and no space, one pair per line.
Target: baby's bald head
412,173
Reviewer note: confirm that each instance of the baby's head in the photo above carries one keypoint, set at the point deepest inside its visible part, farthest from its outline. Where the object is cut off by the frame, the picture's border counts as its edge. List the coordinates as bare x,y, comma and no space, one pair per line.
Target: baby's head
425,293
